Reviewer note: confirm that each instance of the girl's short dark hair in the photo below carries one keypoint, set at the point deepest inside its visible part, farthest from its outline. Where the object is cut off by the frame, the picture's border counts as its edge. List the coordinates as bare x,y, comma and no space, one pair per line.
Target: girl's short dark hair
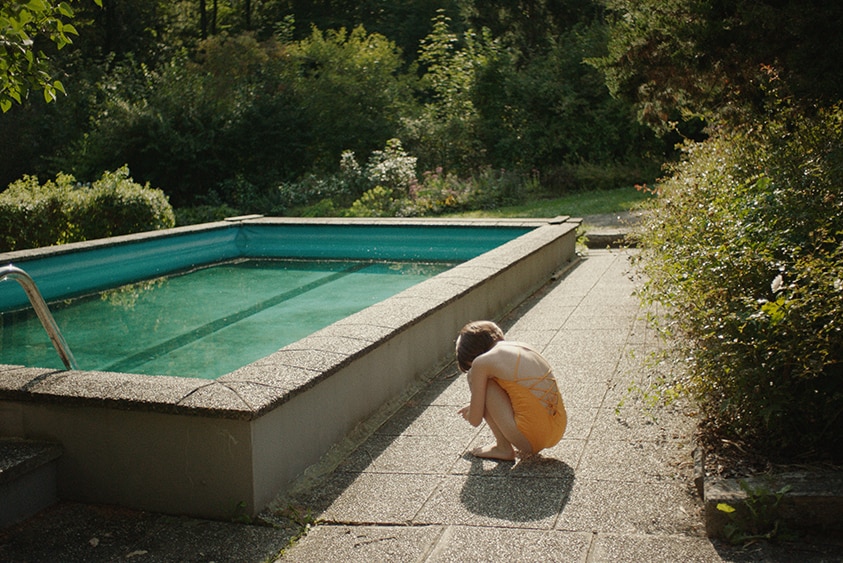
475,338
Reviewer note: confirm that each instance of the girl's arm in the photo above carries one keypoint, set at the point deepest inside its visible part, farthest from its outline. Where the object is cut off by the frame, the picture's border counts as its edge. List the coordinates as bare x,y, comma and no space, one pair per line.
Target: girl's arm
477,380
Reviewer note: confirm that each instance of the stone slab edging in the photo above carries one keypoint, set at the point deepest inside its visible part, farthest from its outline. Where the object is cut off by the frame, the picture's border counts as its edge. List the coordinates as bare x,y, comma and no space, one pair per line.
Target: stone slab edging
811,500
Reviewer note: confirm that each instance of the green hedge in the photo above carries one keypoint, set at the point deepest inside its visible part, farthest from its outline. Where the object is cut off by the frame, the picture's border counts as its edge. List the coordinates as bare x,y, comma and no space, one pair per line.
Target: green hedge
744,247
62,211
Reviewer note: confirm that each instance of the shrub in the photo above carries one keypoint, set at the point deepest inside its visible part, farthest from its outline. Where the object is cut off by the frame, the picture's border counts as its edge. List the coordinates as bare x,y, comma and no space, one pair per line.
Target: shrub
116,205
34,215
341,189
745,248
377,202
351,89
64,211
392,168
437,193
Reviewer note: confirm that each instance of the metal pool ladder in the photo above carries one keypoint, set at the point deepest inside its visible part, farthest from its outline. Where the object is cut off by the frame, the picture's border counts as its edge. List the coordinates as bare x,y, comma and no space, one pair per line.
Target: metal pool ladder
11,272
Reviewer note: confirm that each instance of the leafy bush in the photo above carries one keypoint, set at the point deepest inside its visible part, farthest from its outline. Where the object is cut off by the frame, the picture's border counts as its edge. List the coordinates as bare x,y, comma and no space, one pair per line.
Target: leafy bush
34,215
377,202
392,168
351,90
341,189
745,249
64,211
444,131
193,127
374,190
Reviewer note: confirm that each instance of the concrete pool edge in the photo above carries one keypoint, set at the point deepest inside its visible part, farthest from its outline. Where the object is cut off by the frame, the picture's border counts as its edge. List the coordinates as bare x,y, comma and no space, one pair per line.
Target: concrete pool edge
230,439
184,395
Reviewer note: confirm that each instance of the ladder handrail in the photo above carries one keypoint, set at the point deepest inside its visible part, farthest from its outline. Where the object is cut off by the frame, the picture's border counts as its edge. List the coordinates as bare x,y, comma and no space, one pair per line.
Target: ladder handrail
11,272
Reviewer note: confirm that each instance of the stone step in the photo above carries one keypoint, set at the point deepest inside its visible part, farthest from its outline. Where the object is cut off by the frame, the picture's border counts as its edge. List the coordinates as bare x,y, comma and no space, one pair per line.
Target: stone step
27,478
766,505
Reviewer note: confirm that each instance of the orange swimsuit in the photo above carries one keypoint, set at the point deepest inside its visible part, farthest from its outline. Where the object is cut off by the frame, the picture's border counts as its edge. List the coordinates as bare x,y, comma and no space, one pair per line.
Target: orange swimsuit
539,415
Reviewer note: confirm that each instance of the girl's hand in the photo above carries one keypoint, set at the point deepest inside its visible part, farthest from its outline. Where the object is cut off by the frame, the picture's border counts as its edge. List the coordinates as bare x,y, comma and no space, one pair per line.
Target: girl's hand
464,411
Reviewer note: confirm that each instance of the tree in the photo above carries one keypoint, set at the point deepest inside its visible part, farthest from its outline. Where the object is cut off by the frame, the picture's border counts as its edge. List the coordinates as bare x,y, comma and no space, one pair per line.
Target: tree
351,86
710,58
24,67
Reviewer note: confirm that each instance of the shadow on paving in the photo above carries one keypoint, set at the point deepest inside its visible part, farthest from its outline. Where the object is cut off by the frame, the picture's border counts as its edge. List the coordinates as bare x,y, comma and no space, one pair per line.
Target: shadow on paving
507,492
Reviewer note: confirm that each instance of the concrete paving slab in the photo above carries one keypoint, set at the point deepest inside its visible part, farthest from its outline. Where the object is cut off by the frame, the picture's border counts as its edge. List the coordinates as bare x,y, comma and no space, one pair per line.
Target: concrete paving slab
631,508
552,463
627,423
637,461
404,454
368,498
660,548
617,488
365,544
71,532
494,501
469,543
428,420
584,393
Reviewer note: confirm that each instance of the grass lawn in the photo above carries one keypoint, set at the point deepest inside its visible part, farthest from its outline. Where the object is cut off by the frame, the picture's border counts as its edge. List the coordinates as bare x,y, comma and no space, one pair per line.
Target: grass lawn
575,205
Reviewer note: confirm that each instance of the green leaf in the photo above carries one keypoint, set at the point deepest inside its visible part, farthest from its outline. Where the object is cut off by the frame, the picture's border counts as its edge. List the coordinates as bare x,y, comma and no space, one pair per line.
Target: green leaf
65,10
38,6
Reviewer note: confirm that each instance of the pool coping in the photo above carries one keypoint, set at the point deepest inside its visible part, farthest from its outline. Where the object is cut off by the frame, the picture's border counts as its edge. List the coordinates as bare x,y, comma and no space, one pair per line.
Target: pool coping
263,385
225,448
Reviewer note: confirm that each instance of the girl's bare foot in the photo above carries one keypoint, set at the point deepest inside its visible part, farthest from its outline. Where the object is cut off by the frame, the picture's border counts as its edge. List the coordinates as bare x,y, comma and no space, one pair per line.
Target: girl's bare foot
494,451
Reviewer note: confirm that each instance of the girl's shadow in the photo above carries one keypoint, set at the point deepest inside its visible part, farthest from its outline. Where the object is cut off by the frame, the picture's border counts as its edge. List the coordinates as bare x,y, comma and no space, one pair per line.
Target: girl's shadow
532,489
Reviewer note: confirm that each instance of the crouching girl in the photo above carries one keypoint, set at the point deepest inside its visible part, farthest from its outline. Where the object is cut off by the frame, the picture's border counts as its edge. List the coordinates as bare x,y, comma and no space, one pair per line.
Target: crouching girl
512,389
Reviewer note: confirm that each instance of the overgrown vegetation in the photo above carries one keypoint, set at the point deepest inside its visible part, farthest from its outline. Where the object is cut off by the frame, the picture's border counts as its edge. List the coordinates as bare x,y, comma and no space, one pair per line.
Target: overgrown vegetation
744,241
745,248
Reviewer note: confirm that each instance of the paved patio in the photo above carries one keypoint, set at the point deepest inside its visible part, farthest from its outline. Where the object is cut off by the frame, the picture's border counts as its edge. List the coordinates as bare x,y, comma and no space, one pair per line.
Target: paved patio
617,488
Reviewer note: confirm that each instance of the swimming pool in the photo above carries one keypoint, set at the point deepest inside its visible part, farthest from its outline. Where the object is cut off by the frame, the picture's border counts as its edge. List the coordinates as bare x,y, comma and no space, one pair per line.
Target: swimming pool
207,321
212,448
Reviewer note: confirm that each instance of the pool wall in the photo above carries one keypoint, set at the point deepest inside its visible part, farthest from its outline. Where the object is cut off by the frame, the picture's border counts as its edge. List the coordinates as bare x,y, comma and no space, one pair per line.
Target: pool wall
228,447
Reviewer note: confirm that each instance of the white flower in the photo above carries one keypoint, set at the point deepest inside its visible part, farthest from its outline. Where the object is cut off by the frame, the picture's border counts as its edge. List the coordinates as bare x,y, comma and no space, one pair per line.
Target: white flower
778,283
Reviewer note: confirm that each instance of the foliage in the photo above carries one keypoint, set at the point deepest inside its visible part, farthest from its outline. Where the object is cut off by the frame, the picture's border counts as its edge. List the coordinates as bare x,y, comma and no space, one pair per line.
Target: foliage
392,168
375,189
405,22
203,214
351,89
686,58
196,128
527,27
377,202
63,210
577,204
745,248
444,133
34,215
23,67
757,518
228,119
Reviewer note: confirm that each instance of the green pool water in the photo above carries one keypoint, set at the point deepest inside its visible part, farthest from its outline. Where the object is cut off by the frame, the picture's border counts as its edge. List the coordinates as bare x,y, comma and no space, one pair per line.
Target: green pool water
209,321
